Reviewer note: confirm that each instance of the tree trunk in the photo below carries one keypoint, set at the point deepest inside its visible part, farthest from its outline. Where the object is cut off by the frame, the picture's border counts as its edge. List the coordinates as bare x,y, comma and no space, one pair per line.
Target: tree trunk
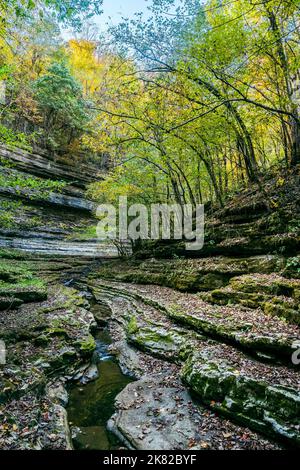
295,137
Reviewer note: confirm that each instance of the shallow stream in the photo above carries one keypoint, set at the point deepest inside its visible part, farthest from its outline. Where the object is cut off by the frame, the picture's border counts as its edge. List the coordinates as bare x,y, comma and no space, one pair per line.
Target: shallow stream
90,406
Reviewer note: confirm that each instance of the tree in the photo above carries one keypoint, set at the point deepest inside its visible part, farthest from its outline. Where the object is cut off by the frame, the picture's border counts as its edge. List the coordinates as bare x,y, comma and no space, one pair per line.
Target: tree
60,100
69,12
234,61
187,105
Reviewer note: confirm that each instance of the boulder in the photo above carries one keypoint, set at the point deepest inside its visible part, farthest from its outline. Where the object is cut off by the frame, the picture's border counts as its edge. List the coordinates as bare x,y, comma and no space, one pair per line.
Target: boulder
160,423
271,409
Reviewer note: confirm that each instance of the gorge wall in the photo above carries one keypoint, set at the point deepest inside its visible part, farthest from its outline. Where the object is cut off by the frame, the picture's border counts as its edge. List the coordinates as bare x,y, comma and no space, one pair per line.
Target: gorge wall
43,208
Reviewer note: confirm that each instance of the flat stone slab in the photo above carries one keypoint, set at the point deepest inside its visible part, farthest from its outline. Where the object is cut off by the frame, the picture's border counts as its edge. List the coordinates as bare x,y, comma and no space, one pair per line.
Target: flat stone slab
61,248
157,413
149,417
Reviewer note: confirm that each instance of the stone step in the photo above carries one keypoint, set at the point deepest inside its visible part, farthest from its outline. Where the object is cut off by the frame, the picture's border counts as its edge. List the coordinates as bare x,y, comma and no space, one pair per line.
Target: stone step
275,295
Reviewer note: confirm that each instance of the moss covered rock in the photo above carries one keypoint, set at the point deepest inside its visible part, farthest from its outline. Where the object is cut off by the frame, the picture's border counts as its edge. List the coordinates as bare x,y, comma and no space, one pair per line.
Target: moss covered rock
25,293
8,302
87,346
169,344
237,333
276,295
270,409
187,275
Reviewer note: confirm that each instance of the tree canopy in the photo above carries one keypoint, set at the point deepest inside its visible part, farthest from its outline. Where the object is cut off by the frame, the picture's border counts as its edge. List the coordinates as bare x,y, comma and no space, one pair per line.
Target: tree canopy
188,104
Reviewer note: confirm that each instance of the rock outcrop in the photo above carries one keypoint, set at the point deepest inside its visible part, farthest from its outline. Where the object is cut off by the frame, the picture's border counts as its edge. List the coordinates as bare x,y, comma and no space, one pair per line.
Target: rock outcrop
43,208
42,165
228,319
46,341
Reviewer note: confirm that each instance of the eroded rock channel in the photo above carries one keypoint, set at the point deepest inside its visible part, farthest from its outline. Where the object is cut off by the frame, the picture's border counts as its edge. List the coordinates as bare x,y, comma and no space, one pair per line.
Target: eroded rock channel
91,401
110,410
192,388
200,353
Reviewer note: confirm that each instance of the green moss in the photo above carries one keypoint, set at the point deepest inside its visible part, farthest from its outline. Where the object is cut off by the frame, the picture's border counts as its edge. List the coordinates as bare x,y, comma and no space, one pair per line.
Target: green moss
275,295
236,333
282,310
14,272
132,326
269,409
57,331
87,346
26,291
17,280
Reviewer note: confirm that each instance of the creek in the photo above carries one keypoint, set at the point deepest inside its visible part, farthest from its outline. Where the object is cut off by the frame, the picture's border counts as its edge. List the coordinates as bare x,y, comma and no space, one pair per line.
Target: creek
91,405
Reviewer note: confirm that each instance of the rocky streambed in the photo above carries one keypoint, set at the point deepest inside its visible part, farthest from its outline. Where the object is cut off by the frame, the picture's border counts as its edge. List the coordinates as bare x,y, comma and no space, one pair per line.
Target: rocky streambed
154,409
92,399
180,372
172,358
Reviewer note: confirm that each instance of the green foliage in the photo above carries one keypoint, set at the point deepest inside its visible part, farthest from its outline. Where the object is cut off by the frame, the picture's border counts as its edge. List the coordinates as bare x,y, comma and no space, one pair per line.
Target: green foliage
293,264
11,254
70,12
294,226
13,271
59,97
87,233
7,211
215,114
5,69
14,139
6,220
193,104
34,187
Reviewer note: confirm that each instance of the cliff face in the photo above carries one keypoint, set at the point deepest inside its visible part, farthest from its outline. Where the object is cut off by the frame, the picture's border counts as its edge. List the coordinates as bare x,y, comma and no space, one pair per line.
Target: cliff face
43,208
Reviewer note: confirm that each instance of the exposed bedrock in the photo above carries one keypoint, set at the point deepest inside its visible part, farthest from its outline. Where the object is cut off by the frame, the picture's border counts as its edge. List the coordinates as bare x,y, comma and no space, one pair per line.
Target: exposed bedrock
40,164
40,245
263,396
204,274
44,208
209,340
271,409
157,413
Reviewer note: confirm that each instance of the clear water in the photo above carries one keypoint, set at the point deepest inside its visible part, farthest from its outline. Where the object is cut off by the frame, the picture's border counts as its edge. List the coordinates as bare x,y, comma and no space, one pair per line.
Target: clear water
91,406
